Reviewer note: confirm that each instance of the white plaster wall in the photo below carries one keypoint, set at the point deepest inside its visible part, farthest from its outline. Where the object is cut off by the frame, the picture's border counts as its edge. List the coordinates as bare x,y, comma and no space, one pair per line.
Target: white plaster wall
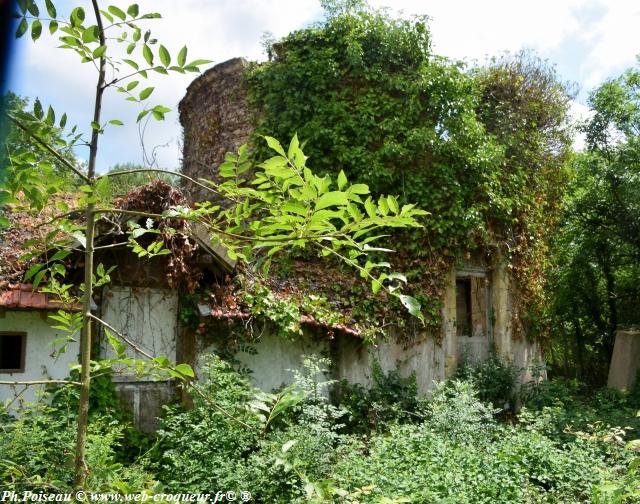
276,357
424,357
42,362
146,316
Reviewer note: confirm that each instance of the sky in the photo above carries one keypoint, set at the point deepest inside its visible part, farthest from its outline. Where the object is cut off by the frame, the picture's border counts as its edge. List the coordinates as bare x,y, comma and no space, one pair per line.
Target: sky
588,41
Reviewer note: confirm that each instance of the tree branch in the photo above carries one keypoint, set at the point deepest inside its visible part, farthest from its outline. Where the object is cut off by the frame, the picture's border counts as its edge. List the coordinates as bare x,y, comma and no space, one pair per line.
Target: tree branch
47,147
39,382
158,170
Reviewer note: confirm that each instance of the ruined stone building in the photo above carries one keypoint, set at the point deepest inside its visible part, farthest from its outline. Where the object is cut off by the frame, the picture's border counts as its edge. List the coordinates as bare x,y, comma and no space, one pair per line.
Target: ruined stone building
478,303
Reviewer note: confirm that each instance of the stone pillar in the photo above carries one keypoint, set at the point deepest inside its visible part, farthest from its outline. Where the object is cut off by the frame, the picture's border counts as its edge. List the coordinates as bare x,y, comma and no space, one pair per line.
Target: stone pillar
449,336
625,361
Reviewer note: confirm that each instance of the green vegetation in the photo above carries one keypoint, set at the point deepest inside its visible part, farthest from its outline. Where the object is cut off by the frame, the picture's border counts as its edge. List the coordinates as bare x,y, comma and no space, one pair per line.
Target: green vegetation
482,150
295,446
597,250
486,151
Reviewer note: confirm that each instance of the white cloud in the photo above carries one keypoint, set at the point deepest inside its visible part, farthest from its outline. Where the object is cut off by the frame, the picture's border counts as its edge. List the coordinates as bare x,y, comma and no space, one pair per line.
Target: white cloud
472,30
612,39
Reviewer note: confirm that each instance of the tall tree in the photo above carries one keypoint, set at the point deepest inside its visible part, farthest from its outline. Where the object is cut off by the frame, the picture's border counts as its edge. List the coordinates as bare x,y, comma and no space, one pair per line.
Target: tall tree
598,249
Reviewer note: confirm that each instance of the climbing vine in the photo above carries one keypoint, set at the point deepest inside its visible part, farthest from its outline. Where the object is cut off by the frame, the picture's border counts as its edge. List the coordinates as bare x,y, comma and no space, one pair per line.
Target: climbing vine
482,151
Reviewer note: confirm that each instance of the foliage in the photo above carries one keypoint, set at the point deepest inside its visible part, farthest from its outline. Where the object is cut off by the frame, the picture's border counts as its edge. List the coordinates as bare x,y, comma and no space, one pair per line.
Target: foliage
203,447
45,174
597,251
495,380
373,100
390,398
433,462
525,107
454,449
38,451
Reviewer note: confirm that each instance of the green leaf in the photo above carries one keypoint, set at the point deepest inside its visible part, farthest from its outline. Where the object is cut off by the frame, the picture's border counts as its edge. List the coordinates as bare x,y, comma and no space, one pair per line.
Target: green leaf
32,271
275,145
72,41
370,207
159,111
98,52
332,198
130,49
36,30
91,34
107,16
165,57
411,304
77,17
133,10
59,255
116,122
63,120
53,26
132,85
199,62
118,346
117,12
51,116
33,8
142,114
37,109
342,180
38,278
131,63
22,28
147,54
145,93
185,370
51,10
393,205
359,189
383,206
182,56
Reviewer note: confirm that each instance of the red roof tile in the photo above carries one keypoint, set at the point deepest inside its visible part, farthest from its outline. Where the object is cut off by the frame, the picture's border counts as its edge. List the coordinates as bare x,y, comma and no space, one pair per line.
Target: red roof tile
23,297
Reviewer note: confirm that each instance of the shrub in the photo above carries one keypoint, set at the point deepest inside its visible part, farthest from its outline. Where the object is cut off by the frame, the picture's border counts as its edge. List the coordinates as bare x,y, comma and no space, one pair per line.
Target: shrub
204,447
495,380
391,398
38,452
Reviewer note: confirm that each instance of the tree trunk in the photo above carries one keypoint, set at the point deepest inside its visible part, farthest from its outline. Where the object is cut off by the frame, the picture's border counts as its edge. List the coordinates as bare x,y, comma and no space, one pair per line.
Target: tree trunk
81,468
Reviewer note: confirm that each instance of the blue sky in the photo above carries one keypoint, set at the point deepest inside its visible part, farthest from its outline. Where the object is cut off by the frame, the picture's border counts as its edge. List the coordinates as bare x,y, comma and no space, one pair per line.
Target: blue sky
587,40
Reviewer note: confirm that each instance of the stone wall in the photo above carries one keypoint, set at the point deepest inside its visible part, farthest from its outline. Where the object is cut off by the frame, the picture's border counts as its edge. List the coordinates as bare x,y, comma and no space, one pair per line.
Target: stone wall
216,118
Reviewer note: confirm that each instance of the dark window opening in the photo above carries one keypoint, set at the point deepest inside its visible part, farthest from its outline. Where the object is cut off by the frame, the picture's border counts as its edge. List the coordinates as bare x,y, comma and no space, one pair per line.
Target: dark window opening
12,352
463,307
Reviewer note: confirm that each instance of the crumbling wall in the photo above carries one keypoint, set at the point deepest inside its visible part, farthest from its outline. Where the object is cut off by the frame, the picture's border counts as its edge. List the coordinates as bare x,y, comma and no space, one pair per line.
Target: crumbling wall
216,118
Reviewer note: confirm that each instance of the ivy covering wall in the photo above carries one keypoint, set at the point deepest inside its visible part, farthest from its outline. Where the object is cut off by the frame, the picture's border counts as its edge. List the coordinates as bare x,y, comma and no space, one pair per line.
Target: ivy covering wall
481,149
